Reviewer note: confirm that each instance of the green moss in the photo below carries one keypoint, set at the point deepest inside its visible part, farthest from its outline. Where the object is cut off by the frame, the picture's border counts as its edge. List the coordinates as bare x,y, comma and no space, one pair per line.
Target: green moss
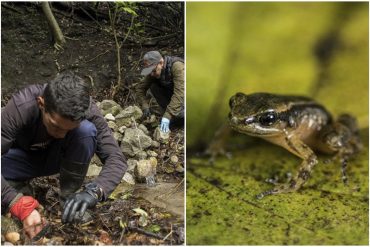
222,207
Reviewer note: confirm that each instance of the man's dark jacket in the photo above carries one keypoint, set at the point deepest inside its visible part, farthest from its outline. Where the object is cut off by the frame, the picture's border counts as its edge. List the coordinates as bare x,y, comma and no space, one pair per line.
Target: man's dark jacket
21,126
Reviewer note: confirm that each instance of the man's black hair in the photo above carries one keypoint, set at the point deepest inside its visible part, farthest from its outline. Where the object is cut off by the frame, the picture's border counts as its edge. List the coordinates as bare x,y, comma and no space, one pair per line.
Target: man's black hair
68,95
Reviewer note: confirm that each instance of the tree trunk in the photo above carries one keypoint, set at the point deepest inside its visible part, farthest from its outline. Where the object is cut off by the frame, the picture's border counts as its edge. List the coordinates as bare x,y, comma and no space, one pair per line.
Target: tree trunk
53,24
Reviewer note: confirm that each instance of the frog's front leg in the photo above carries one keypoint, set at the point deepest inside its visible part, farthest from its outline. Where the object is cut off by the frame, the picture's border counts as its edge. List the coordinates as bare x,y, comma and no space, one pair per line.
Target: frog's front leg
297,147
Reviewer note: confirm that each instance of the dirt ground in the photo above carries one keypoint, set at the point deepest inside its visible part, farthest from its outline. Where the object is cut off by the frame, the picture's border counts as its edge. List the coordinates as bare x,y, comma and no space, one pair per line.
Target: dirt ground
29,57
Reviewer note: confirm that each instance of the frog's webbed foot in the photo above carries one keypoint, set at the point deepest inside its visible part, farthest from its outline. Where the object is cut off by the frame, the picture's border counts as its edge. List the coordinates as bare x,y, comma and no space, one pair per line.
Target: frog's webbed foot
279,189
295,183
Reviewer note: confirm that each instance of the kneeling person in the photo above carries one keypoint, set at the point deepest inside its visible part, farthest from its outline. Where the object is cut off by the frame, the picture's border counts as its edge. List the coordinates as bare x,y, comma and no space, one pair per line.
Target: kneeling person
164,76
56,128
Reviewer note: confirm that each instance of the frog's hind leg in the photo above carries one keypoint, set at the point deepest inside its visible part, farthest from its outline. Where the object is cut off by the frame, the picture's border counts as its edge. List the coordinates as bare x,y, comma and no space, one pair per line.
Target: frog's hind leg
297,147
344,139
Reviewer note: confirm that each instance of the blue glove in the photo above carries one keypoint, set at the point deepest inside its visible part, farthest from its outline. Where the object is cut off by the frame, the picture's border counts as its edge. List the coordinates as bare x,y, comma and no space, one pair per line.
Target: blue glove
165,125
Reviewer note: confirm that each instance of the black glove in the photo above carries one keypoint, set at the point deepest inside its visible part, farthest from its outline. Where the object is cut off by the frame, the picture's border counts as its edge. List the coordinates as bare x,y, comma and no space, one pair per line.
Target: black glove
146,113
76,204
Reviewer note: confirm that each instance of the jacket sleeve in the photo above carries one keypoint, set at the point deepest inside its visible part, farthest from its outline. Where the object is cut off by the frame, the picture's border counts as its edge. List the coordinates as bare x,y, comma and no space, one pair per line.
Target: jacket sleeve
11,123
177,100
8,193
141,89
109,153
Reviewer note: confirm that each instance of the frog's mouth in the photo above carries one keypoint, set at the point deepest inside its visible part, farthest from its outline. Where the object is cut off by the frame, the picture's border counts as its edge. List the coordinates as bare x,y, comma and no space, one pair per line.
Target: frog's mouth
252,127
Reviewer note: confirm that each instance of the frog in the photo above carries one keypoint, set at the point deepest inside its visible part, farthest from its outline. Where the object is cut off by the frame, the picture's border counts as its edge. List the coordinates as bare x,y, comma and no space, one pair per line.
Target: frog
299,124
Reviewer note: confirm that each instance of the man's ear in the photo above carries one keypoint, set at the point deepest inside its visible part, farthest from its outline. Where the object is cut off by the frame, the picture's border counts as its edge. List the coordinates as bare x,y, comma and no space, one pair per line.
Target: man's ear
41,102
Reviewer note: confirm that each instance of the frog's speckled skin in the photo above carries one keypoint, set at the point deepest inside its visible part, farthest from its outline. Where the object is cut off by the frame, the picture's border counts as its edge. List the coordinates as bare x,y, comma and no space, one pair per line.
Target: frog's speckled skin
298,124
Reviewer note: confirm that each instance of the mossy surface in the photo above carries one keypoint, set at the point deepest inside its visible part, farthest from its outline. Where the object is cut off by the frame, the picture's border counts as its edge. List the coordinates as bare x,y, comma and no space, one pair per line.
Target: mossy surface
222,207
316,49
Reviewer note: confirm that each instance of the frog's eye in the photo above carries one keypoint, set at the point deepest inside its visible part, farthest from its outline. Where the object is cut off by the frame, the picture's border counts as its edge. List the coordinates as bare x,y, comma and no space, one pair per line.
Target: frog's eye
267,118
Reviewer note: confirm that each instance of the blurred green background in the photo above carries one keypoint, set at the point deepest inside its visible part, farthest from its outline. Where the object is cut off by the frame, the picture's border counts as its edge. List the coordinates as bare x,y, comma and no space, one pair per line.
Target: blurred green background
314,49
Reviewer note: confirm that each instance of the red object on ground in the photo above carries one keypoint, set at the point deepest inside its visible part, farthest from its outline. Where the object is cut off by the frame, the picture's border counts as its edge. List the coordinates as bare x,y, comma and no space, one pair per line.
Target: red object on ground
23,207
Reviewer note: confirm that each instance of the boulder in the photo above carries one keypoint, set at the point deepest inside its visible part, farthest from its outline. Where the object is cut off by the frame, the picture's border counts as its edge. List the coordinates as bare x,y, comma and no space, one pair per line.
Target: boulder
134,141
145,169
128,115
109,106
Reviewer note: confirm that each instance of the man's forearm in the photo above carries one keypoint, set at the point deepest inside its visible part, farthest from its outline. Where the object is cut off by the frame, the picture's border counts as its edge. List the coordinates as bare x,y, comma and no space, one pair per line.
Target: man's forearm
8,193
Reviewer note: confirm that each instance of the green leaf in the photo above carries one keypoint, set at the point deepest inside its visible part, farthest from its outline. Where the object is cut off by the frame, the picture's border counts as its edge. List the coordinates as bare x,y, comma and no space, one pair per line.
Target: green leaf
154,228
140,211
130,11
122,224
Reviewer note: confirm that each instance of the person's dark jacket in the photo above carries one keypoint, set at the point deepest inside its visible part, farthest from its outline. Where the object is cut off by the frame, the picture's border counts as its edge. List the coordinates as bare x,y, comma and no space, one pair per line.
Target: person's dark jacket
21,126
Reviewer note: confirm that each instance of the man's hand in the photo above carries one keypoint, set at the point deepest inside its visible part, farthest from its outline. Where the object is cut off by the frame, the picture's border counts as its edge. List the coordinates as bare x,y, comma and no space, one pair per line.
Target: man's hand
165,125
33,224
24,208
76,205
146,113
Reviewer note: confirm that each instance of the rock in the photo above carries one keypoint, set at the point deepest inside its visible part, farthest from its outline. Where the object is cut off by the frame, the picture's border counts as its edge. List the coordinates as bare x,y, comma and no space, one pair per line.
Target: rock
144,129
128,115
95,160
109,106
179,168
12,237
124,121
110,117
122,129
152,153
168,168
141,155
113,126
161,136
146,168
115,110
174,159
118,136
155,144
150,121
131,164
128,178
93,170
134,141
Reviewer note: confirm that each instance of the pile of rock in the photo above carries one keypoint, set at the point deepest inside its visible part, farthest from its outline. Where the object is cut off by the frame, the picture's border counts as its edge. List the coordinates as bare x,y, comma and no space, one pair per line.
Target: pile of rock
136,143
